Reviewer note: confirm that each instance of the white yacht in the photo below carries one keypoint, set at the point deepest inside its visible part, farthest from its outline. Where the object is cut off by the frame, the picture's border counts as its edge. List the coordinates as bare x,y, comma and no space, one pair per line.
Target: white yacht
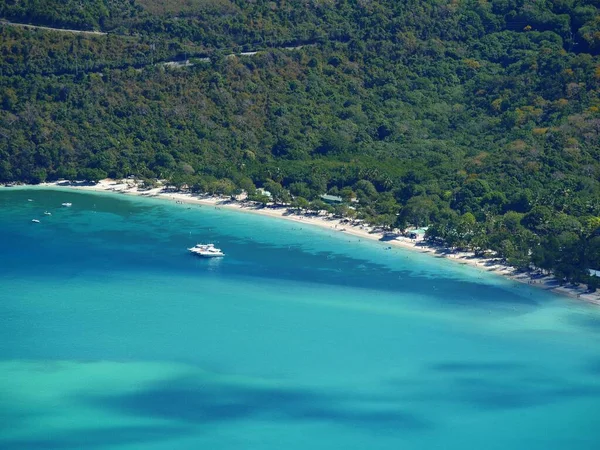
46,213
206,250
67,204
35,221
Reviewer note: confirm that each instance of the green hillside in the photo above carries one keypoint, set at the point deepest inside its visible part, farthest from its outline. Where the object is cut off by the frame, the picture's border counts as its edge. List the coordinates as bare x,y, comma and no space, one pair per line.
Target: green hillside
481,119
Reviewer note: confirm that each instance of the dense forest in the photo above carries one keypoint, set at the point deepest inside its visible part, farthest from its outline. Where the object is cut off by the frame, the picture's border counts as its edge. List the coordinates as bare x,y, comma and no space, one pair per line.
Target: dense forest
480,118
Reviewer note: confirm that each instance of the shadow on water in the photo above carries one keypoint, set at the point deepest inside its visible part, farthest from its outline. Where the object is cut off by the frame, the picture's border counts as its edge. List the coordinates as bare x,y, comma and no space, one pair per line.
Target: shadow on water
100,437
189,404
588,321
213,401
492,386
593,368
487,395
458,367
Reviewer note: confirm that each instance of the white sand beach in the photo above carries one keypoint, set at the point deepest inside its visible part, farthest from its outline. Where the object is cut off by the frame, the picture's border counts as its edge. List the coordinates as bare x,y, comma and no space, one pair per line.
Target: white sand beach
355,228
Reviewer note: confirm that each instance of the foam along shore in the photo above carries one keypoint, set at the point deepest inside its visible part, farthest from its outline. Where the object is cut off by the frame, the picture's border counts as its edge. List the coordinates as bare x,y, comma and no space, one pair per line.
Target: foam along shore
355,228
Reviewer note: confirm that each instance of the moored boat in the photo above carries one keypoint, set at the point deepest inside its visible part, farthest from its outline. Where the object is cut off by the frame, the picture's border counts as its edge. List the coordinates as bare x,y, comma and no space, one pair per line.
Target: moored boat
206,250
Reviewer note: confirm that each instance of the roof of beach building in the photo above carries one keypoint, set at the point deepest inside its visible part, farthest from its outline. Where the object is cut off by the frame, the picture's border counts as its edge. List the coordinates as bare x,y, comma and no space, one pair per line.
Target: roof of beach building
332,198
264,192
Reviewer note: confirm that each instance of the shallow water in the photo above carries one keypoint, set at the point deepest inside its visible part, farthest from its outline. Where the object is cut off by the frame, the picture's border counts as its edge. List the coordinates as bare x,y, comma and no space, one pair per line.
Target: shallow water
114,337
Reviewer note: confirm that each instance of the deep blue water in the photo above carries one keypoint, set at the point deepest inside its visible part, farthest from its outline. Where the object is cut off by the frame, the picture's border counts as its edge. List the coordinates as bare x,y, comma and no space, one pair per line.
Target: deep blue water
113,336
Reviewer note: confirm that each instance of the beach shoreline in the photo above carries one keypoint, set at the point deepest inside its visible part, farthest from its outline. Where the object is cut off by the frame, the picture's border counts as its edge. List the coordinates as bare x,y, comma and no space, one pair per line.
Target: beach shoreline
490,265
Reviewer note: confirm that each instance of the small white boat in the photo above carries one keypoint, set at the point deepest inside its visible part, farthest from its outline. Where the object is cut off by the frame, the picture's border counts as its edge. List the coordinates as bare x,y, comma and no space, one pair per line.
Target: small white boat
46,213
35,221
206,250
67,204
29,200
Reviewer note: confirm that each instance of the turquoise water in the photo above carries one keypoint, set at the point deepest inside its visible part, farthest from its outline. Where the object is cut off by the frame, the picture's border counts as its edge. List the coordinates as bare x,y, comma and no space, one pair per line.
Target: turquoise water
113,336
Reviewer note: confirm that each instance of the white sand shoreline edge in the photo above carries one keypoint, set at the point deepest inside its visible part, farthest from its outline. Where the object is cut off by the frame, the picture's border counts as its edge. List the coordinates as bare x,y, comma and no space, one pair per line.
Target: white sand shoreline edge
547,283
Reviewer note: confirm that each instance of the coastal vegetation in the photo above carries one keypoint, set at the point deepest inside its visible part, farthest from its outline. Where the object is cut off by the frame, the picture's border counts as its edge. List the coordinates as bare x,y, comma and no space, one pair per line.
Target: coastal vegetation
479,119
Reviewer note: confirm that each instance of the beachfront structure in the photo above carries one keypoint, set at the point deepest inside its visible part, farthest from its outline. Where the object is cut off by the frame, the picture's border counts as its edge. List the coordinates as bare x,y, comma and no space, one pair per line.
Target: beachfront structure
264,192
333,199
